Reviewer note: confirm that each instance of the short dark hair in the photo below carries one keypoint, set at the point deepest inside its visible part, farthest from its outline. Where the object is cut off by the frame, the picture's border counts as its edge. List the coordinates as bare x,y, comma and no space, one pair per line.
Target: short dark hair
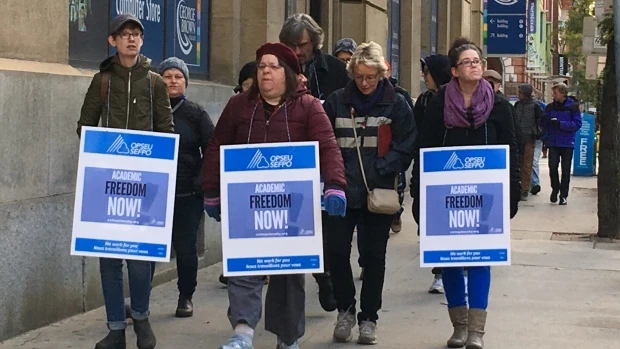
459,46
290,80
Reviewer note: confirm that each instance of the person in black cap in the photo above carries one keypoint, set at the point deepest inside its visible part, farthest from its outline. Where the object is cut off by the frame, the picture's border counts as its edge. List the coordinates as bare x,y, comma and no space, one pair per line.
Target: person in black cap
344,48
436,72
126,76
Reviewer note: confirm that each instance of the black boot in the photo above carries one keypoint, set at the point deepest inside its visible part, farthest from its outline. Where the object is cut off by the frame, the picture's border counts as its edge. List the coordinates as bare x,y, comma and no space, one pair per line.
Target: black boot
114,340
326,293
185,307
144,332
128,311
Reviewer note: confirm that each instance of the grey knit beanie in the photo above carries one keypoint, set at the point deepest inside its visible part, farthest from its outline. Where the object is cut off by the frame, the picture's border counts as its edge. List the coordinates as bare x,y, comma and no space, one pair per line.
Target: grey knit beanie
175,63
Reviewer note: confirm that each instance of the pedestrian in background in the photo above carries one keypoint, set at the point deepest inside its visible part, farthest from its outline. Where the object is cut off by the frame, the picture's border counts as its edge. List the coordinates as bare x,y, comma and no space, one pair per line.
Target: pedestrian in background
121,77
368,107
436,73
529,115
469,112
194,127
324,74
344,48
278,99
563,120
535,185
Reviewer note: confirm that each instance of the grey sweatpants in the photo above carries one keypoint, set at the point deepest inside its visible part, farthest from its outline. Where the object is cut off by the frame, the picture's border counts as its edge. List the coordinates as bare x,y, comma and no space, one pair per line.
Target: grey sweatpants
285,304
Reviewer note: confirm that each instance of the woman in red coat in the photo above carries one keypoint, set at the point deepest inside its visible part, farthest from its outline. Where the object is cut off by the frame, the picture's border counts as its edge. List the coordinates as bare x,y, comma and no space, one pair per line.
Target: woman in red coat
276,109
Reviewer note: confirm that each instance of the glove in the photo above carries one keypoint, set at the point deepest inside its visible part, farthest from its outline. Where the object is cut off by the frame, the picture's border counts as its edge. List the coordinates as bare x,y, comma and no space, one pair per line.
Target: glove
554,123
213,209
335,202
381,167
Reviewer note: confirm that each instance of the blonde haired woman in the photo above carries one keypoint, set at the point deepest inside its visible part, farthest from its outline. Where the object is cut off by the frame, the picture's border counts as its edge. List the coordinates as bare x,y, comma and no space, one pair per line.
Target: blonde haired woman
385,130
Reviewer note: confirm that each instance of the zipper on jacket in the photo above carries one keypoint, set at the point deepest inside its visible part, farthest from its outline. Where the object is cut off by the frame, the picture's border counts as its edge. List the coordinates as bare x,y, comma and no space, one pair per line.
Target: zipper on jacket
267,128
128,100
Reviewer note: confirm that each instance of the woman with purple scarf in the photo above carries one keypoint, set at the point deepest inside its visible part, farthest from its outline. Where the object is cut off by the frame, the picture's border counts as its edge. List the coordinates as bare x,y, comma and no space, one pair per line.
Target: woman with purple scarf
465,113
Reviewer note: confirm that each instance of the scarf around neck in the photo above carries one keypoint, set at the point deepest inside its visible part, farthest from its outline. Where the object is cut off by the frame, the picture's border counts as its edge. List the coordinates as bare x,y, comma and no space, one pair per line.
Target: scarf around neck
362,103
456,115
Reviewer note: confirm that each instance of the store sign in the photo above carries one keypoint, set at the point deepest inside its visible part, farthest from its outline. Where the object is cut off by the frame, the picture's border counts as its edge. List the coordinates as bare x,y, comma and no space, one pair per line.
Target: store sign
562,65
151,14
187,30
505,28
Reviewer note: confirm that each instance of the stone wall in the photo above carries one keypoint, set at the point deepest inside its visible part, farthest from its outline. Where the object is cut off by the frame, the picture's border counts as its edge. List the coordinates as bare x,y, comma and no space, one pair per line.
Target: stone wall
41,282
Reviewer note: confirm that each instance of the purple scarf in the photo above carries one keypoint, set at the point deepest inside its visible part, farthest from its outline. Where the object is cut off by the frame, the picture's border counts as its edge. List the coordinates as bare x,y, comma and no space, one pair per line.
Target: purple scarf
456,115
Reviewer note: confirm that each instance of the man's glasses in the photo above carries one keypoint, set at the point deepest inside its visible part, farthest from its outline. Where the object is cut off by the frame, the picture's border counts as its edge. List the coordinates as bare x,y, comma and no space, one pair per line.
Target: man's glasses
126,35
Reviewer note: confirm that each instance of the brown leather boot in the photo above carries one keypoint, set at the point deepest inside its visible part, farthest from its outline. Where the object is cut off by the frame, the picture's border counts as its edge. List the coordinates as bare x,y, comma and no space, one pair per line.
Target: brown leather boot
458,316
476,322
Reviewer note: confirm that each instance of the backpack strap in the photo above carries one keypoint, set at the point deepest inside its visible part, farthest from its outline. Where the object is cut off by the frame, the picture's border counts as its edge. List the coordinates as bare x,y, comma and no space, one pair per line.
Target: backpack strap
105,83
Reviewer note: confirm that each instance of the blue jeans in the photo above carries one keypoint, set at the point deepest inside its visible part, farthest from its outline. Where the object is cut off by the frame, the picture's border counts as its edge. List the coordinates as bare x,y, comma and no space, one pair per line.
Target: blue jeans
112,284
479,283
536,164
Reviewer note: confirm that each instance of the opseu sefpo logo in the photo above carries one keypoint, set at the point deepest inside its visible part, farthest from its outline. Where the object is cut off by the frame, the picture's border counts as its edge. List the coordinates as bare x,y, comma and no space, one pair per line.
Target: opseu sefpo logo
186,27
506,2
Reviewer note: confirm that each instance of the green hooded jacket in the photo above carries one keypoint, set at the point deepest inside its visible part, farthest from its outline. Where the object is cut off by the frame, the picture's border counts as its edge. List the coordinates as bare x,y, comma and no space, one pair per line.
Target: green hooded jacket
129,102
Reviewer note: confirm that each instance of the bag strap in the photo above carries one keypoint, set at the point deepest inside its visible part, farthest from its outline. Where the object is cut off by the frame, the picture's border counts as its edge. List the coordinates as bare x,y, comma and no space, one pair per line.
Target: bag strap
105,82
359,152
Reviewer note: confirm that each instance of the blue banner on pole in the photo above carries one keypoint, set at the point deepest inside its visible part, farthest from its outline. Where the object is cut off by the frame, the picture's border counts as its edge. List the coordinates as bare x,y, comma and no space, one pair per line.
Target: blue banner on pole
506,27
583,159
151,14
531,16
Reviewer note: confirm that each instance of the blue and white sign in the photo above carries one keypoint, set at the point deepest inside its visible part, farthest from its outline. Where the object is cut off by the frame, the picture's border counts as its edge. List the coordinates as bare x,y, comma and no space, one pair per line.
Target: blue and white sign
271,209
465,210
505,23
583,158
151,14
124,197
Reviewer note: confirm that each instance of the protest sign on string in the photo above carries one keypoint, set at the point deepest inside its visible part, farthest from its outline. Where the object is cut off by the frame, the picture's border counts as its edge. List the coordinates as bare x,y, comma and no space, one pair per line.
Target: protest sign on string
271,209
465,209
124,197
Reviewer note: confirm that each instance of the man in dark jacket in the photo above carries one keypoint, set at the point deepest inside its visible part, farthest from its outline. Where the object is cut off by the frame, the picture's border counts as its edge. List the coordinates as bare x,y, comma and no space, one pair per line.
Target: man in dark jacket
121,77
562,121
325,74
495,79
529,115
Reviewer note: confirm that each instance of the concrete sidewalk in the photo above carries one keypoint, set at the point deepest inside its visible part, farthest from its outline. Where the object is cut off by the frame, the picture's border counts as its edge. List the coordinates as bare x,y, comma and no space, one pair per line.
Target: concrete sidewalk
557,294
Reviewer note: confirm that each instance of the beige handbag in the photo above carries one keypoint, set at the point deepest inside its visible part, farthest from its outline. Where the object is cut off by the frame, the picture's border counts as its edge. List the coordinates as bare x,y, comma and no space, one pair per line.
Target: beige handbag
382,201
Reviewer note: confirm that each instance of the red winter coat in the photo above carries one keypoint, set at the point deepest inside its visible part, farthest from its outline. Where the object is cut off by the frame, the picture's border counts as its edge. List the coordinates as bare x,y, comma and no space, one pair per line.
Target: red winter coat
306,120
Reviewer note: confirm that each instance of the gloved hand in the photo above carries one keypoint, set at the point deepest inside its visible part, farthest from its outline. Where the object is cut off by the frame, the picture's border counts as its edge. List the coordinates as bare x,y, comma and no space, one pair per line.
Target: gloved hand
515,197
554,123
213,209
381,165
335,202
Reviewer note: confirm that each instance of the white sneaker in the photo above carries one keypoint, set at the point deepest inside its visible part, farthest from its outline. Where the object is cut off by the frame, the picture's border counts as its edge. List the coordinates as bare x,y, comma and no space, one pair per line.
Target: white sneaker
344,326
437,286
282,345
368,333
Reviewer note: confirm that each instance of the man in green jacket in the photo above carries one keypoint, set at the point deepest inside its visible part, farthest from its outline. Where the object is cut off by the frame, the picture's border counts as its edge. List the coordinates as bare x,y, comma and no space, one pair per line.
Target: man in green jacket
125,94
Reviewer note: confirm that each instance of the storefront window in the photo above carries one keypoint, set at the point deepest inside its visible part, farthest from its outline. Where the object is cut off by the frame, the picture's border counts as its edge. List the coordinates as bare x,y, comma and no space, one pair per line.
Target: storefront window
393,51
177,28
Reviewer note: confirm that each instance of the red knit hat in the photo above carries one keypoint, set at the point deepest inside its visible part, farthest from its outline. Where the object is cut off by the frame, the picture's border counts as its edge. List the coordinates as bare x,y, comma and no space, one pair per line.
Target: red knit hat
281,51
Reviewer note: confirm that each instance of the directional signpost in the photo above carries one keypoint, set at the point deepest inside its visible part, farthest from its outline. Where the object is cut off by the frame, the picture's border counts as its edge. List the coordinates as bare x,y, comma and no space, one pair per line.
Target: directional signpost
505,28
